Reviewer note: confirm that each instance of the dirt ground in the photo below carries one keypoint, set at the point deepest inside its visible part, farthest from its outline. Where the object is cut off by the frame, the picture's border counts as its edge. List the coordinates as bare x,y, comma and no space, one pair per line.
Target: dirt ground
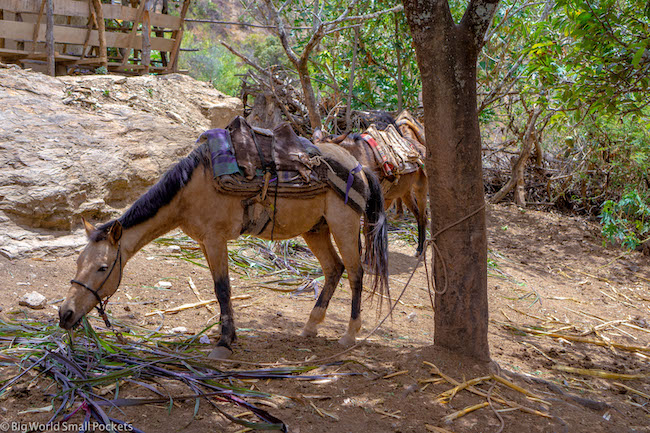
547,272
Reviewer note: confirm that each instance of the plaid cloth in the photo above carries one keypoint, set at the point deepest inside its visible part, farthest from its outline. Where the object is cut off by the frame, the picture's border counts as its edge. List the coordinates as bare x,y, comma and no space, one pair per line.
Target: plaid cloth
223,156
386,166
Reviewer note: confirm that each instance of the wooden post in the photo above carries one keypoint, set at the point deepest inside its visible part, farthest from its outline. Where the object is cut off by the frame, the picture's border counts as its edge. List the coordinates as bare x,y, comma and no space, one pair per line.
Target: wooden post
49,37
101,30
2,17
178,36
165,11
146,37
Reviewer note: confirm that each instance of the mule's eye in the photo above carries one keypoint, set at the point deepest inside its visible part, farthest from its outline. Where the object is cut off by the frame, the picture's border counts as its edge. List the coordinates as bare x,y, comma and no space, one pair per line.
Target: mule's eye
103,268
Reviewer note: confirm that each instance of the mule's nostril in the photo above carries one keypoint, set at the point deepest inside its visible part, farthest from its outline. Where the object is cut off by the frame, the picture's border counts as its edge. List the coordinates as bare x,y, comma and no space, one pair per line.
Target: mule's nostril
64,317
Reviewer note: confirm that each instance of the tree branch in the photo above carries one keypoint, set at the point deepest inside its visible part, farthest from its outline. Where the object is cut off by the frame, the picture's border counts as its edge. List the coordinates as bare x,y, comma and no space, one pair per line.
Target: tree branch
281,32
233,23
478,18
366,17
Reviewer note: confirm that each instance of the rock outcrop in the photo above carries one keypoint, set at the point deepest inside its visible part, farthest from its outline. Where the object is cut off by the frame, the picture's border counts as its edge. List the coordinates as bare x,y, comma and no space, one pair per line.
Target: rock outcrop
89,146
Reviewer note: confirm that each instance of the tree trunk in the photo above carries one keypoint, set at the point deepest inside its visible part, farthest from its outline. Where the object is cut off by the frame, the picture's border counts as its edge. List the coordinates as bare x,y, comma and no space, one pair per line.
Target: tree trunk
517,179
398,54
348,105
447,55
310,98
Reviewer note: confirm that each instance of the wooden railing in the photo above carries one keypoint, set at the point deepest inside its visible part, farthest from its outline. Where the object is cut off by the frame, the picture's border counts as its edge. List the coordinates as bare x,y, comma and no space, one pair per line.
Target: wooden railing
89,34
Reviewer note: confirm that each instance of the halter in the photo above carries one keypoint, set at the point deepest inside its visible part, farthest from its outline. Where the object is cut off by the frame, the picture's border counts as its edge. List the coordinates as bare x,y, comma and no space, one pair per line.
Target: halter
101,306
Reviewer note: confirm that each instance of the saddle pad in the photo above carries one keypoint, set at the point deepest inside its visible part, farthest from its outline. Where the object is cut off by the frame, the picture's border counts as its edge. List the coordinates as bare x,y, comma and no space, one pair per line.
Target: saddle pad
221,151
396,154
277,150
410,127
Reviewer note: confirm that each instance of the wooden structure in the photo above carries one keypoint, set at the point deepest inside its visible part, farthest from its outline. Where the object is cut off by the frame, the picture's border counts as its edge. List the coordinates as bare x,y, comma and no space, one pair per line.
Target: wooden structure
88,34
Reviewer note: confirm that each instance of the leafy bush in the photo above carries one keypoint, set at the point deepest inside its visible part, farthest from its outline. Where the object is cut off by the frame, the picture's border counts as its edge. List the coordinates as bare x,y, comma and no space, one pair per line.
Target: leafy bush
626,221
212,63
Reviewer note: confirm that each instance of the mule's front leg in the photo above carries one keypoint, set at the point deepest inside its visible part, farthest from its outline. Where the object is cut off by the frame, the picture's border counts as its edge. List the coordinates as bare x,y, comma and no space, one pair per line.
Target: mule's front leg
216,253
224,345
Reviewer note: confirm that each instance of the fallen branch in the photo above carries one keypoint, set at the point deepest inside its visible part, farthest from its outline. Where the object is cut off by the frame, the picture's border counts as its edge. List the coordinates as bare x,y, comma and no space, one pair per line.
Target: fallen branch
192,305
577,339
449,418
436,370
603,374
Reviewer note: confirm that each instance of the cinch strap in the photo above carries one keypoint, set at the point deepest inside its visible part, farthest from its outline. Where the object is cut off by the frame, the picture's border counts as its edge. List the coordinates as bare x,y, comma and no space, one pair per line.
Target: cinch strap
351,174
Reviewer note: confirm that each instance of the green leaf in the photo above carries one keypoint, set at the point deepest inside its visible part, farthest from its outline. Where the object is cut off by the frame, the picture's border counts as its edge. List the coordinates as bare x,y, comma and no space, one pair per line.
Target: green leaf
638,56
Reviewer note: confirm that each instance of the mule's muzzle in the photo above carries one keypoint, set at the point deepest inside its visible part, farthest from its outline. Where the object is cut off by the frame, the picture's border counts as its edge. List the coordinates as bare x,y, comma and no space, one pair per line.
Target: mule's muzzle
66,319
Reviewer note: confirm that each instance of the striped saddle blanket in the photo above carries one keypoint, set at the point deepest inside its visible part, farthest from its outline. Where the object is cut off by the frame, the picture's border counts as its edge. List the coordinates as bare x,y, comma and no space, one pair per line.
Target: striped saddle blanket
394,154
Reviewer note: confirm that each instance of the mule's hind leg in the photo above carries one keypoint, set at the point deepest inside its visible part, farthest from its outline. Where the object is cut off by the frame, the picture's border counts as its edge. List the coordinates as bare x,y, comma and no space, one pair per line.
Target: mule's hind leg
216,253
320,244
416,201
346,236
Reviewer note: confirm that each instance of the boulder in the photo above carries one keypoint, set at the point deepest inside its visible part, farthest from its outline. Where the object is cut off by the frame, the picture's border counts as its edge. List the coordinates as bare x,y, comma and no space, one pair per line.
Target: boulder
88,146
33,300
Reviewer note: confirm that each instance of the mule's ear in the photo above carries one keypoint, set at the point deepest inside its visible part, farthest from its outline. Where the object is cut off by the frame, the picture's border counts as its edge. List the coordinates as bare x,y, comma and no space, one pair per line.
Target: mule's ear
318,135
89,227
339,139
115,233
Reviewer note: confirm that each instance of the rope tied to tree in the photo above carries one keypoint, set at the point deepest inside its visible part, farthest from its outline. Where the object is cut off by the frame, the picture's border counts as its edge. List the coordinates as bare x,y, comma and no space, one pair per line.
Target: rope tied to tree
431,281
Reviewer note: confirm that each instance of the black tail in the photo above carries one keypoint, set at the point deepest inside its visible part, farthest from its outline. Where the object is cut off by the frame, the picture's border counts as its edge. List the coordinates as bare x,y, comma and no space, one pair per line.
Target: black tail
376,236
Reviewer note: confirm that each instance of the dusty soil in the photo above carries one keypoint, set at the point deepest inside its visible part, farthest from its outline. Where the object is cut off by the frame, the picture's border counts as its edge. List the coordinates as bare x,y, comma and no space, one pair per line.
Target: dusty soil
546,272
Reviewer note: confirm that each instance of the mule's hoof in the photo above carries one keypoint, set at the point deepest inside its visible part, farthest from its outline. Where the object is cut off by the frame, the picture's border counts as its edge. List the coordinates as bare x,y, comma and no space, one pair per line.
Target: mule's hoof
309,333
347,340
220,352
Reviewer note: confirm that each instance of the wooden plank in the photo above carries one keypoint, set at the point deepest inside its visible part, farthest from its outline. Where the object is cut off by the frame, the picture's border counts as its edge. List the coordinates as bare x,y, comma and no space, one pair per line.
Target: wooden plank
77,8
38,24
92,21
18,54
69,35
134,31
177,37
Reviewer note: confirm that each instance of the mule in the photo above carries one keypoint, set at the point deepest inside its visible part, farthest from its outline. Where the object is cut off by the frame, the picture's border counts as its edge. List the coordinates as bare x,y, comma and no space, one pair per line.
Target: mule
186,197
411,188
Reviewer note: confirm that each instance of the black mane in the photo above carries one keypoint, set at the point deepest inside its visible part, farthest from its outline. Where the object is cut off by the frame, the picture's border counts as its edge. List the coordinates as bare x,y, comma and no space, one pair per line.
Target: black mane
158,195
381,119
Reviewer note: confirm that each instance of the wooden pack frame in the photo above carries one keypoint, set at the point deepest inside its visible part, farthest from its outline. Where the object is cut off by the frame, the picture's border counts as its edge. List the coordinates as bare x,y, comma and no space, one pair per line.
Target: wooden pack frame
80,36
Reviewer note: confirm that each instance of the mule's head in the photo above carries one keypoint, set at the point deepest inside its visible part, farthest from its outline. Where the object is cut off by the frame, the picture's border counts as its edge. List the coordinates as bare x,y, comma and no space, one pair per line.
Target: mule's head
319,136
99,271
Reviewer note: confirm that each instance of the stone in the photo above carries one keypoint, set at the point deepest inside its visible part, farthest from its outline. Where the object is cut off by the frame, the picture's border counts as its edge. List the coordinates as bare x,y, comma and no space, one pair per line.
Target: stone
64,157
221,111
175,117
179,330
164,284
33,300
